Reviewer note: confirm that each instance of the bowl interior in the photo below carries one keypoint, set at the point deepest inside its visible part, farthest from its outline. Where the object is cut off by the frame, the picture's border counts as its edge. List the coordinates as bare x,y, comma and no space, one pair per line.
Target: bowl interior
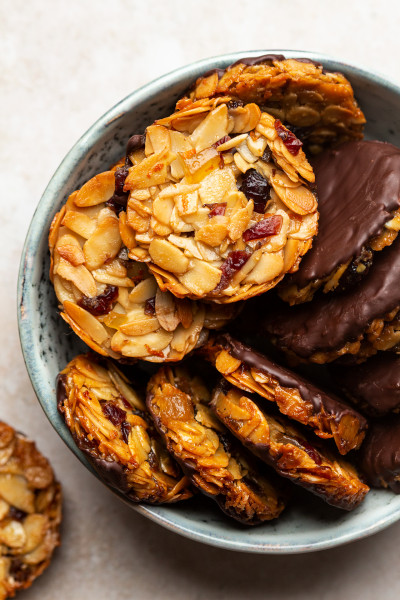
48,344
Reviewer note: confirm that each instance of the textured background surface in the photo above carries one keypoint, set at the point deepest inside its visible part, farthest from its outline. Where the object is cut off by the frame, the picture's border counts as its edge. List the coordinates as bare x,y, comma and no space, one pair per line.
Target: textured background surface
61,66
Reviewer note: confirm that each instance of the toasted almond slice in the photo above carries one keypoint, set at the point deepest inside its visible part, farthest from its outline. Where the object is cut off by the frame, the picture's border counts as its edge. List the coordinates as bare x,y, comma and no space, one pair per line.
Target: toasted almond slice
35,527
232,143
158,137
184,309
14,490
246,118
246,153
126,232
268,267
105,243
201,278
216,185
79,223
141,346
79,276
166,311
71,252
300,200
168,257
162,209
143,291
97,190
86,321
214,232
187,204
151,171
139,323
226,364
213,128
12,534
136,221
186,338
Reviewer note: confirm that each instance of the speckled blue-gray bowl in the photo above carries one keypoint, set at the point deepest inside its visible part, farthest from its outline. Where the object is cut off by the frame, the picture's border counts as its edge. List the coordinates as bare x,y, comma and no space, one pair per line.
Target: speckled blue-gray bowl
48,345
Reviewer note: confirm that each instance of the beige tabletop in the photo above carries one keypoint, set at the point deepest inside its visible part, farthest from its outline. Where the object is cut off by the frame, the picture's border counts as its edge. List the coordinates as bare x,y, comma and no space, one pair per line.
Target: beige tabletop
62,65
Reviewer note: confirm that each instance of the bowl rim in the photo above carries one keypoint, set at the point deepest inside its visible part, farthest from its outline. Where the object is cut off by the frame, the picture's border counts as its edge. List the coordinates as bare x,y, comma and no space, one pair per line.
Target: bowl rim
33,238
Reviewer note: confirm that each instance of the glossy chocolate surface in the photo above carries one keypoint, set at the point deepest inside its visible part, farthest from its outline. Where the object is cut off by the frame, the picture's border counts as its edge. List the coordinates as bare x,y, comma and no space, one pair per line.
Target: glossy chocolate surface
381,454
358,186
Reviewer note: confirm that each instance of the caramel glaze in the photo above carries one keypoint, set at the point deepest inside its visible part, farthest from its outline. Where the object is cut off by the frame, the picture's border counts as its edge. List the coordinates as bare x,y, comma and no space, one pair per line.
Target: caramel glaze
328,323
358,188
380,455
319,399
374,384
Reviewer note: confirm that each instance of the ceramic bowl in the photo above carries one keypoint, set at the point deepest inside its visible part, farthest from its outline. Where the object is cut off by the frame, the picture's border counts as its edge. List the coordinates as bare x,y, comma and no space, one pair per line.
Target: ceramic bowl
48,344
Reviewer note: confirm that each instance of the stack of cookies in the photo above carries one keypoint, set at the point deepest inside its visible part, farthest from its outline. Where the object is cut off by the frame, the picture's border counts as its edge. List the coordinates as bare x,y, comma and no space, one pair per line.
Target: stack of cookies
254,213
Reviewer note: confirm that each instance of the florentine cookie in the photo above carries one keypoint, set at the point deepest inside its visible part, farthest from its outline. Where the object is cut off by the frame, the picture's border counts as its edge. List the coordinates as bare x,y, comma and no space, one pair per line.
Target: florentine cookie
295,397
113,303
358,200
30,512
219,205
284,447
356,323
221,470
380,455
373,385
109,422
317,104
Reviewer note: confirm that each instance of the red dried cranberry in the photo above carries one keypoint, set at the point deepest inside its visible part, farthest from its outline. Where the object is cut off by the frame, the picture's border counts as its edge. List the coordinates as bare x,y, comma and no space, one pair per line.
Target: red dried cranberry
226,138
312,453
230,266
292,143
119,200
269,226
125,430
256,188
267,154
150,307
218,208
101,304
113,412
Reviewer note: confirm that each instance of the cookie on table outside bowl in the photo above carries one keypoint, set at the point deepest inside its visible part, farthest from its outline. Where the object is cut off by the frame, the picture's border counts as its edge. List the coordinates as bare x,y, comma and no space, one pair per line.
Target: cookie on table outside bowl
276,441
219,205
354,324
111,302
373,385
110,424
358,187
220,469
318,105
30,512
295,397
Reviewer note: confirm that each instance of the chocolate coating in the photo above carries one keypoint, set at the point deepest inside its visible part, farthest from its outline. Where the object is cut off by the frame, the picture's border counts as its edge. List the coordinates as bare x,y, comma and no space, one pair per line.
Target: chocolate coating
250,61
358,187
319,399
328,323
380,455
375,384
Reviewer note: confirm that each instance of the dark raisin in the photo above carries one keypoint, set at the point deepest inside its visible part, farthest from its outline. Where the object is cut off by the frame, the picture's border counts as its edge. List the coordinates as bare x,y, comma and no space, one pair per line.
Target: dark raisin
19,570
234,103
230,266
125,430
16,514
292,143
135,142
123,254
152,459
119,200
218,208
101,304
113,412
256,188
269,226
150,307
267,154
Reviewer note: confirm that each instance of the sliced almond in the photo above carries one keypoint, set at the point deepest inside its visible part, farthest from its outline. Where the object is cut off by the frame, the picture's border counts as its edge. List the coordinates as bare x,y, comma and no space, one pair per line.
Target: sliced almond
105,243
168,257
79,276
158,137
143,291
141,346
166,311
97,190
151,171
268,267
79,223
126,232
300,200
35,527
12,534
213,128
216,185
214,232
201,278
14,490
86,321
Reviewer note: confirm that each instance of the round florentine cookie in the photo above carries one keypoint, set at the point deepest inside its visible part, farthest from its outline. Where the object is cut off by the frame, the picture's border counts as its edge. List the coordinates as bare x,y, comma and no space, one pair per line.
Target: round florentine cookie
374,385
318,105
109,422
356,323
219,206
358,200
178,403
30,512
294,395
285,448
380,455
113,303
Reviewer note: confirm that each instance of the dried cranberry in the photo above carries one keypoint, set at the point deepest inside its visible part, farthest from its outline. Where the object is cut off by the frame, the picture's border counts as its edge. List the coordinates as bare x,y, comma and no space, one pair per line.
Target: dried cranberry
312,453
267,154
269,226
16,514
230,266
101,304
234,103
150,307
256,188
125,430
119,199
292,143
113,412
218,208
